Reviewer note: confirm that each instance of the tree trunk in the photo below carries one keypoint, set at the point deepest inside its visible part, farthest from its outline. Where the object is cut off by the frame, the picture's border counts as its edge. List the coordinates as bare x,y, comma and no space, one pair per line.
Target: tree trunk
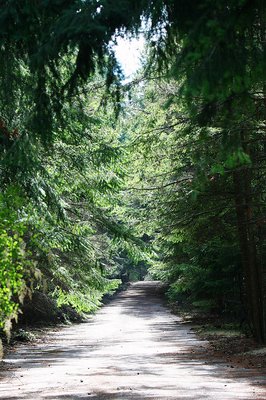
253,276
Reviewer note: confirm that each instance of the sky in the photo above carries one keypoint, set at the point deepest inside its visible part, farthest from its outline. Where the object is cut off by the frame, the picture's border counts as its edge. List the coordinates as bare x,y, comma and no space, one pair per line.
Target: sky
128,53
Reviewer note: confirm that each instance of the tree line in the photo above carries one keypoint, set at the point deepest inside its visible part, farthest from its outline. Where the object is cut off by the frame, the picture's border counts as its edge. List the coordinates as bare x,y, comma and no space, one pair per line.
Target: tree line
98,177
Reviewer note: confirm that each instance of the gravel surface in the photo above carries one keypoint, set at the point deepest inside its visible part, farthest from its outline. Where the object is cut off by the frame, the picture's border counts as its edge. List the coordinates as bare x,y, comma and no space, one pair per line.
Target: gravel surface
133,348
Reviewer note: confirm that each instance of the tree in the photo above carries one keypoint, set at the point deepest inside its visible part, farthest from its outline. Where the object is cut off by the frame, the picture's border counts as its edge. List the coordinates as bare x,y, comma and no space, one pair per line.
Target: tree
221,63
184,193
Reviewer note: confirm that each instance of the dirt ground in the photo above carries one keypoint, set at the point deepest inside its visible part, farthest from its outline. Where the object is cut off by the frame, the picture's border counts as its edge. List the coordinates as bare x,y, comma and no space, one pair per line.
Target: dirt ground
133,348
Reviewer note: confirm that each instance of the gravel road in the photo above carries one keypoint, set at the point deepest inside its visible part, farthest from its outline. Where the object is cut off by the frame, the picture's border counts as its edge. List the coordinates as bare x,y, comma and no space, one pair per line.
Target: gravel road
133,348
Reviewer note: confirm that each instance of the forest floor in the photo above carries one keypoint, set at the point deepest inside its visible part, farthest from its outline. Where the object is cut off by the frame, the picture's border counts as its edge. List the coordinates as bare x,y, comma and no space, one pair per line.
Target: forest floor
133,348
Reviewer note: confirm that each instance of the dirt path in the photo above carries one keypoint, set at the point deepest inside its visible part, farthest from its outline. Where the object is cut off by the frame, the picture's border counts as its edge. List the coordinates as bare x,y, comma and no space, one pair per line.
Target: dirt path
132,349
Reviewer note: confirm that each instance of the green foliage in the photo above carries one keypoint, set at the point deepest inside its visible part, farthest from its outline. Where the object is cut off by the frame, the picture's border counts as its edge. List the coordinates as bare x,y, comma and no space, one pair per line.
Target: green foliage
86,299
57,210
84,195
17,268
184,198
71,43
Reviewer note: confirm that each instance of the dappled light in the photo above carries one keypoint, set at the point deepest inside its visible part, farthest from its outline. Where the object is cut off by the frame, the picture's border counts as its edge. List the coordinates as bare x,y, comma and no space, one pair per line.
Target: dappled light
133,348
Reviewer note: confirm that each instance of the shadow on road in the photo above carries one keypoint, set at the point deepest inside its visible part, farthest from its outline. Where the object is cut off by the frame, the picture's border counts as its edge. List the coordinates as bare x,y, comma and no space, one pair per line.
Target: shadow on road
133,348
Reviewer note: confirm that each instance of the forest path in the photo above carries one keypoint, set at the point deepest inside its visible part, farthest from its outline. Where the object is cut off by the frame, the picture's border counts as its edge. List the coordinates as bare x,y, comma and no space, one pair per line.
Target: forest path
134,348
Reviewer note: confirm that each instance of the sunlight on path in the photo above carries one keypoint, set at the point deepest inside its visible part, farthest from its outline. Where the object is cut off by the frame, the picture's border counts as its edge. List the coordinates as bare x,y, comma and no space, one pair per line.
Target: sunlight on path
134,348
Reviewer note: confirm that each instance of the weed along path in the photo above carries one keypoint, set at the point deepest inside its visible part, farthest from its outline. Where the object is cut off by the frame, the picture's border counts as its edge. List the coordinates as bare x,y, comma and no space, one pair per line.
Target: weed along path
134,348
